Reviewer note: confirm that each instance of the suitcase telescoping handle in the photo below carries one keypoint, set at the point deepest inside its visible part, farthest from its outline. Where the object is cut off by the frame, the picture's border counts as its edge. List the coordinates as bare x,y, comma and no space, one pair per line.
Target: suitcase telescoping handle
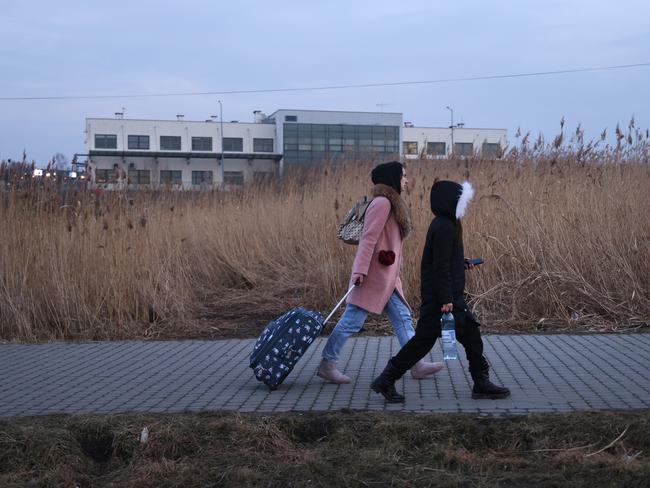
339,304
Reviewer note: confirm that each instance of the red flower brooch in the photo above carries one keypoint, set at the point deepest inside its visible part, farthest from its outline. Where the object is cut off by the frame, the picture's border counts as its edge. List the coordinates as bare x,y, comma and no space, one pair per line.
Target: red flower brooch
386,257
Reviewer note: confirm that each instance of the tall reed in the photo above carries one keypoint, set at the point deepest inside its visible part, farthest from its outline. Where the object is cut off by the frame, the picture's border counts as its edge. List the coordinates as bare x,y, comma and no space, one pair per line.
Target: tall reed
566,242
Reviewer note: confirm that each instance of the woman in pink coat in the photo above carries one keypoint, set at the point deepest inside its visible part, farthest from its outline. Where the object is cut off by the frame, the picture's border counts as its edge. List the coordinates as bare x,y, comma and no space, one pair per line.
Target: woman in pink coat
376,270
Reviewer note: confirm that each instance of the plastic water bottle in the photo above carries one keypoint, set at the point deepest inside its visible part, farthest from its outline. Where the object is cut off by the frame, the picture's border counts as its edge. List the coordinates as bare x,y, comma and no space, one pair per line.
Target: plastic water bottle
144,435
448,326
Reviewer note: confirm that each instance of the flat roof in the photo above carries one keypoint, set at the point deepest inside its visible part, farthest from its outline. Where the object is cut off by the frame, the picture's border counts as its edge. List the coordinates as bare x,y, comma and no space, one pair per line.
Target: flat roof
455,128
333,111
176,120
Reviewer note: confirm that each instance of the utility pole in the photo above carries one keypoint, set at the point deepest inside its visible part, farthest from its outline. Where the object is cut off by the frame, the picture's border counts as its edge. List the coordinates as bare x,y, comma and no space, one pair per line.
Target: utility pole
221,172
452,130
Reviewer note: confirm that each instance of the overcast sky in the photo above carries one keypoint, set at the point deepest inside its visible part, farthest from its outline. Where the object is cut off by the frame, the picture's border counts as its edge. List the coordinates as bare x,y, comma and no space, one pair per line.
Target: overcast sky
74,47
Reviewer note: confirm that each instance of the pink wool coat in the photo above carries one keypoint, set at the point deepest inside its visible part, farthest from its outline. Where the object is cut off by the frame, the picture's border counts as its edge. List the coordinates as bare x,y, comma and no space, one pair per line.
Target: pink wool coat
381,232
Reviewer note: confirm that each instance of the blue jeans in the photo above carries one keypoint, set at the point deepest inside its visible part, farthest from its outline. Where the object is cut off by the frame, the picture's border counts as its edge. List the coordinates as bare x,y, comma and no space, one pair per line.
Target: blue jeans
353,318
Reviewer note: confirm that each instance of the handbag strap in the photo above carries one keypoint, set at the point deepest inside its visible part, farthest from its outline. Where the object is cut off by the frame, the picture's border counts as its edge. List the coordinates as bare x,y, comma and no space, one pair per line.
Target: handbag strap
361,210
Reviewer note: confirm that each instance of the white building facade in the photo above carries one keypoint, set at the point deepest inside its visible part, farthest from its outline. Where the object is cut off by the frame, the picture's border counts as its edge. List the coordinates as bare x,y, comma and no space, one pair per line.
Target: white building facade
442,142
198,154
179,153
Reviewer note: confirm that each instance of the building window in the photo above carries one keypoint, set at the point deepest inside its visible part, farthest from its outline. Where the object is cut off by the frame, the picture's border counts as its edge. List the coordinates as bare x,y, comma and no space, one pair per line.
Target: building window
171,177
291,118
491,149
201,143
311,143
139,177
436,149
233,144
263,145
138,142
170,143
233,177
104,175
410,147
201,177
262,177
463,149
105,141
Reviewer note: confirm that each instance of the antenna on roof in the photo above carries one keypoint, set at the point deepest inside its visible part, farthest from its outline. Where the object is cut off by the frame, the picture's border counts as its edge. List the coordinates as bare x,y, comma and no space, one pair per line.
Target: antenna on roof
381,105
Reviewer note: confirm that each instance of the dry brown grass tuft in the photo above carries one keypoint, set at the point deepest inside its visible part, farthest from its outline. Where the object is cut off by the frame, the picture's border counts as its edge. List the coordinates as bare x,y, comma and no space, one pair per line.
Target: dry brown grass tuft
566,240
327,449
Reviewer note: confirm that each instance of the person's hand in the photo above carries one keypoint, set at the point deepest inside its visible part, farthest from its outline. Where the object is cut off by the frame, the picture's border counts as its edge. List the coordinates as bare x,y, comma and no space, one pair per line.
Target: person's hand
447,307
357,279
468,265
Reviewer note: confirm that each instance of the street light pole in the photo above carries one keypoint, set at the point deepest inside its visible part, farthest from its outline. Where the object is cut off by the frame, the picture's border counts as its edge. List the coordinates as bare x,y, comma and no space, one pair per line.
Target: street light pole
221,123
452,130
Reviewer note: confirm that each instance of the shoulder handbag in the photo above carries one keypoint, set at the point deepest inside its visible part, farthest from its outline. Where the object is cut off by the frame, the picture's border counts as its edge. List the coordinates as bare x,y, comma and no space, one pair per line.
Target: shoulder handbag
351,227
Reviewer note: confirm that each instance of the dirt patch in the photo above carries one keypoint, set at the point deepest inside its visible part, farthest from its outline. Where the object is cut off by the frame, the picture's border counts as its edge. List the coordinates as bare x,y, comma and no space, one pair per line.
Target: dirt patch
96,443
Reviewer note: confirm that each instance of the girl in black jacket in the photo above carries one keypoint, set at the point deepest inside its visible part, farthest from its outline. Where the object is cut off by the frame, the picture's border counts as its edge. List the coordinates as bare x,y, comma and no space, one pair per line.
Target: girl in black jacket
443,290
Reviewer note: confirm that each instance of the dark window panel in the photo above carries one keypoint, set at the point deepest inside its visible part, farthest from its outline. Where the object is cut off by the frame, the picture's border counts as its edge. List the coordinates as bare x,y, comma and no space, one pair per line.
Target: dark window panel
202,177
263,145
171,177
105,141
410,147
436,148
139,177
233,144
170,143
463,149
138,142
233,178
491,149
290,129
202,144
104,176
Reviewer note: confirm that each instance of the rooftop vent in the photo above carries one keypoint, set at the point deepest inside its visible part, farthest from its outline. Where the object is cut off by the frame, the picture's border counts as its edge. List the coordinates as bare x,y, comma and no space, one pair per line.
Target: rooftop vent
259,116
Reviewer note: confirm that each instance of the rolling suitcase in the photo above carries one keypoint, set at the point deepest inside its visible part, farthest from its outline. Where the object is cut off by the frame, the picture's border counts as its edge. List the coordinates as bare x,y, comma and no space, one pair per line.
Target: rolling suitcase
283,342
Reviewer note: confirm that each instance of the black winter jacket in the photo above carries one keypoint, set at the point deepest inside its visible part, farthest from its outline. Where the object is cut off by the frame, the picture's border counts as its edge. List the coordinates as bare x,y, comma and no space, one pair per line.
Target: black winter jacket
442,271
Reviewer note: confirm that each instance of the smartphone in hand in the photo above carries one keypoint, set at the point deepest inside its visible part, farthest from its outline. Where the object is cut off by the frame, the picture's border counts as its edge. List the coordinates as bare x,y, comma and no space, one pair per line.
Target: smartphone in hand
470,263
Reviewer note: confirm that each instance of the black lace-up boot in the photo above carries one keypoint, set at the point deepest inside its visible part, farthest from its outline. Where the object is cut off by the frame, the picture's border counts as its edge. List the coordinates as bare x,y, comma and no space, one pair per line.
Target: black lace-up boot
385,384
484,388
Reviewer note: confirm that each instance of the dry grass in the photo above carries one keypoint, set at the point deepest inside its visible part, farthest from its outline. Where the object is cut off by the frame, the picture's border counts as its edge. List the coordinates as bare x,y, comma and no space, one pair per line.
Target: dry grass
565,234
329,450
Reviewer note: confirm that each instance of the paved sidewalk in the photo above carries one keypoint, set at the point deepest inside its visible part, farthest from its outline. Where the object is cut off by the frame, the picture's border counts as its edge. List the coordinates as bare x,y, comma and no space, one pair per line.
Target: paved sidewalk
546,373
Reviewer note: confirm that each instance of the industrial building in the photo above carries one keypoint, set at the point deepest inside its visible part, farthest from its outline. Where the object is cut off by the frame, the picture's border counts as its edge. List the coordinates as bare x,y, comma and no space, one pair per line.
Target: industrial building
197,154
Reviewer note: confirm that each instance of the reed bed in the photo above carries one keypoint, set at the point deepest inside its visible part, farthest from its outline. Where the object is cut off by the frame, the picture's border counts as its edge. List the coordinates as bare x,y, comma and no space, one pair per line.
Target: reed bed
565,234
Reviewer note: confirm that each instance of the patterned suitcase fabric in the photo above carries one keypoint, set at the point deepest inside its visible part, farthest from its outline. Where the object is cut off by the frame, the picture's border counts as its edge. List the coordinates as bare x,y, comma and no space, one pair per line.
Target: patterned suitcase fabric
282,343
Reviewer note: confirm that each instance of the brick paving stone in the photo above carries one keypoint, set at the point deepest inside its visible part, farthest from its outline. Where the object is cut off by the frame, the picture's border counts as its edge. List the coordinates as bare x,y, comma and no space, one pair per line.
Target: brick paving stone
546,373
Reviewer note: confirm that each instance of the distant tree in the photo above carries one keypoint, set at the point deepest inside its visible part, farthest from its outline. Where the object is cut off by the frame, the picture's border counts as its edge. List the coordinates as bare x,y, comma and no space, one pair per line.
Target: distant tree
61,162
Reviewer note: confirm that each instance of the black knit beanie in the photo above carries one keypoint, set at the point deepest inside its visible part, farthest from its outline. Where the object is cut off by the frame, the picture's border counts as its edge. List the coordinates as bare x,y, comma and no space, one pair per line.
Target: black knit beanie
389,174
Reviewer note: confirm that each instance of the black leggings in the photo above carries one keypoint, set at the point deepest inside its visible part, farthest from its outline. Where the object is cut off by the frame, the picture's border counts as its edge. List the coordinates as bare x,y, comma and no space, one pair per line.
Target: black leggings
468,333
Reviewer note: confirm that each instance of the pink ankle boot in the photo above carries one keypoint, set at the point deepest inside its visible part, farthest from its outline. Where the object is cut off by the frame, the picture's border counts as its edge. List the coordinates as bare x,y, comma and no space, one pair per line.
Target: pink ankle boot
422,369
327,370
